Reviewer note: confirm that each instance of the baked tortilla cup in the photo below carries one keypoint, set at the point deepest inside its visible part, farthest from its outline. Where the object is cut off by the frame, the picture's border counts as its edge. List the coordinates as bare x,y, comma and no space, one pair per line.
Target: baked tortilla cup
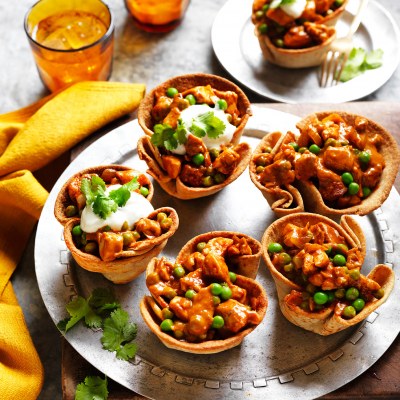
327,320
246,265
64,200
130,263
304,195
151,154
152,315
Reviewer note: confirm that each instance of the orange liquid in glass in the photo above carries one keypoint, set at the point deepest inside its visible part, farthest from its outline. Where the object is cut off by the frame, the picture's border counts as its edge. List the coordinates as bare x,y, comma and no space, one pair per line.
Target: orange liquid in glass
72,51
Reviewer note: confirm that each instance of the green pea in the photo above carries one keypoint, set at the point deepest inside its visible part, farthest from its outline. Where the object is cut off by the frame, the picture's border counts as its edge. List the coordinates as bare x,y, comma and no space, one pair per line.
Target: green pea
190,294
339,260
167,313
314,148
127,238
358,304
265,7
198,159
352,293
166,325
331,296
144,191
354,274
267,149
222,104
71,210
76,230
294,145
366,191
178,334
216,300
179,271
232,276
214,153
379,293
136,235
125,226
274,247
320,297
347,178
349,312
338,3
330,142
262,160
208,181
169,293
219,178
191,99
171,91
106,228
364,157
284,258
166,223
288,267
90,248
304,305
342,248
83,239
226,293
328,250
302,150
279,43
353,188
260,169
161,216
216,289
200,246
217,322
310,288
263,29
259,14
340,293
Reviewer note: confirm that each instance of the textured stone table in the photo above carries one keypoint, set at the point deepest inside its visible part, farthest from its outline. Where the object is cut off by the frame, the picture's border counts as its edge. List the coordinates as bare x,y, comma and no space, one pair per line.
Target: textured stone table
139,57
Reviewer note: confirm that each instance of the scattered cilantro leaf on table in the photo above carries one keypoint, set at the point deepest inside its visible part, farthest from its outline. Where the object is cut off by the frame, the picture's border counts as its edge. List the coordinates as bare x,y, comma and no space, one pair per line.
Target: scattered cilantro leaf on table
93,388
360,61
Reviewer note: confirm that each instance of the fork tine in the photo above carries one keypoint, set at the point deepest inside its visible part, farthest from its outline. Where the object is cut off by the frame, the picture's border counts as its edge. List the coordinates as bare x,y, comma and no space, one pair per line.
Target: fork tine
324,70
339,69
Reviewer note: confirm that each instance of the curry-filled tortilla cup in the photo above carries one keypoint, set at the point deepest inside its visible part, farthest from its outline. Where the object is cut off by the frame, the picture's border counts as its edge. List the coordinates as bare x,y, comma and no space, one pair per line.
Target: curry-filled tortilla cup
71,201
240,252
316,265
193,124
121,255
202,311
296,35
336,164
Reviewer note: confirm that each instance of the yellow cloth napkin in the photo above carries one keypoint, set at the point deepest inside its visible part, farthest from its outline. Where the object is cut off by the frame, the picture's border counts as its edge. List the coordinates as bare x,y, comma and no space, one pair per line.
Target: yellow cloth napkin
31,138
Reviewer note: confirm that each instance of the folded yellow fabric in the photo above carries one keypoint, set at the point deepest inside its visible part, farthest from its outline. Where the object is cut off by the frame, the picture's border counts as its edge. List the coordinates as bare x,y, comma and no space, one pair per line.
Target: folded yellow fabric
30,138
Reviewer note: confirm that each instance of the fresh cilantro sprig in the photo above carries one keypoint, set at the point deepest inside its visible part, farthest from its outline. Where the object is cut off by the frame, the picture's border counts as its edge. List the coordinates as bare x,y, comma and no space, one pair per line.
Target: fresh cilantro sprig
102,204
206,124
101,310
360,61
93,388
278,3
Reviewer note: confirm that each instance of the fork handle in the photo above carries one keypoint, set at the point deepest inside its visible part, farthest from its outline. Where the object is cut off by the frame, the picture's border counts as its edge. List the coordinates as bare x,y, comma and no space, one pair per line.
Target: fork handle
357,18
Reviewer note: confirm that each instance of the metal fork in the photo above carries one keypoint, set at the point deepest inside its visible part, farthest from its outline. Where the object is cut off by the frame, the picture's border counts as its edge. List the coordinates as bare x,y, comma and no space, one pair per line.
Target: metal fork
335,59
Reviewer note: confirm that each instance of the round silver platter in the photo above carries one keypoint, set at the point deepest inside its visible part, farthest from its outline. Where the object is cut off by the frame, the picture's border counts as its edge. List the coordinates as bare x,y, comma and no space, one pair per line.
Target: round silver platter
278,360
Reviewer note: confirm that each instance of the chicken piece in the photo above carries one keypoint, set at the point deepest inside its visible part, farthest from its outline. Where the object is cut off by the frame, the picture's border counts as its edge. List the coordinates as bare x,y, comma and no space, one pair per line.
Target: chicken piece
180,307
296,236
215,268
125,176
192,280
74,191
294,298
339,158
277,174
192,176
331,186
361,124
218,246
348,201
163,269
161,108
227,161
323,233
172,165
309,13
110,245
179,102
319,33
279,16
354,259
371,177
305,166
172,117
203,94
231,99
148,227
236,315
194,261
308,264
195,145
322,6
321,259
240,247
238,294
297,38
200,315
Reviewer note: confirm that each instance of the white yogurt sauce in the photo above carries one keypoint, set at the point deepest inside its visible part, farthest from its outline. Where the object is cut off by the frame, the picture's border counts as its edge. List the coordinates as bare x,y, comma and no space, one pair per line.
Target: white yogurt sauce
135,208
196,110
294,9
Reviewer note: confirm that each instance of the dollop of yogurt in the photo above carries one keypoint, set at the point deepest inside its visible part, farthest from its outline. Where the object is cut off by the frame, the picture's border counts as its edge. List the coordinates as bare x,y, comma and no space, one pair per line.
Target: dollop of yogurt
196,110
294,9
135,208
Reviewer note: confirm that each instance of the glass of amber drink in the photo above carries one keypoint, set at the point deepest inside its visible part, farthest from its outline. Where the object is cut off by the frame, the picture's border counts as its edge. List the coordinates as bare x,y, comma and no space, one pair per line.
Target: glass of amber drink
156,15
71,41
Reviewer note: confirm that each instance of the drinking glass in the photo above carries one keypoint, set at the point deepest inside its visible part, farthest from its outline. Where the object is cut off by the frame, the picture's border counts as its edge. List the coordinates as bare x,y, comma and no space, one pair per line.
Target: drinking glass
71,41
156,15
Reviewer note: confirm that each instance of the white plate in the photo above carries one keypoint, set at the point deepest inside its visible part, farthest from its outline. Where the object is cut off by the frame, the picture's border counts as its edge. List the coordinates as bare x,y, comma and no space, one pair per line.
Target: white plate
278,360
237,49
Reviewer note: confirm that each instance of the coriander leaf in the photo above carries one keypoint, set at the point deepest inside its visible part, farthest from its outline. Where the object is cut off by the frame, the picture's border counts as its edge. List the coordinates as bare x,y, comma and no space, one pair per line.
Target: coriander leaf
62,325
109,307
127,351
101,297
181,132
120,196
103,206
356,57
207,124
129,332
92,188
171,143
77,308
86,189
162,136
92,320
373,59
349,72
93,388
132,185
